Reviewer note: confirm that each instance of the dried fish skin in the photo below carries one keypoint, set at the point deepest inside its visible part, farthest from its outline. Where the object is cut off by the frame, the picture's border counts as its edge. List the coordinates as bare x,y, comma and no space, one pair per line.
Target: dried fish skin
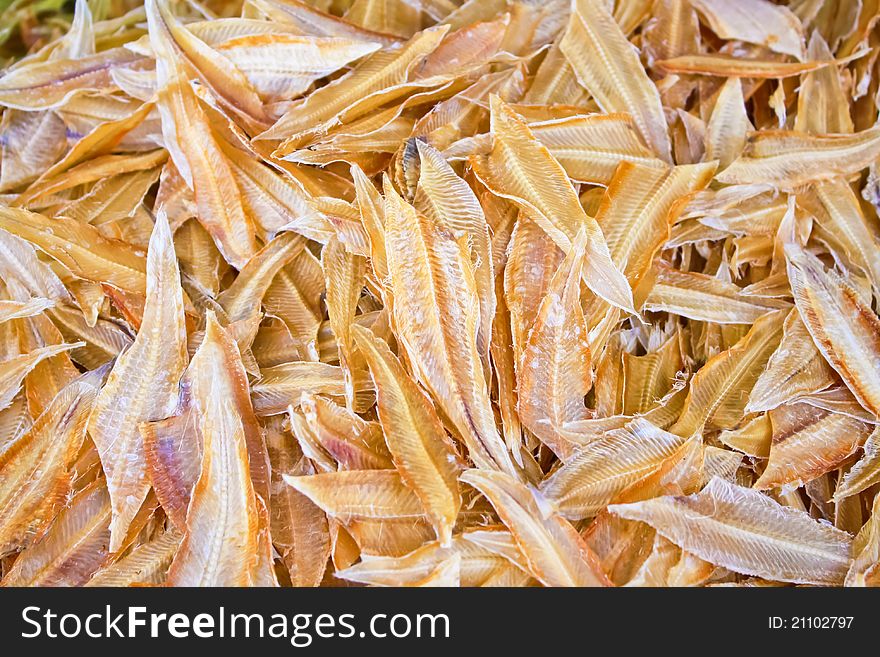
794,369
79,247
299,529
728,126
355,495
147,564
590,147
723,65
173,453
866,547
283,385
639,208
73,547
15,369
706,298
446,198
478,565
790,159
381,77
49,84
718,393
864,473
755,21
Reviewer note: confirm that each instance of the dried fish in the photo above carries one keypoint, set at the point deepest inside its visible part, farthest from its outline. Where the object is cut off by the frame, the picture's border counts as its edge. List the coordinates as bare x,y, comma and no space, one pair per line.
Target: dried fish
553,550
423,454
440,293
748,532
142,386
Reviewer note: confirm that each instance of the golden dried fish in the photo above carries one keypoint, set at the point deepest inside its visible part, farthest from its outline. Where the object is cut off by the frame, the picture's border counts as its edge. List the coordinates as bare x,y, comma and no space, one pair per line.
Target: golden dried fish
728,126
352,495
553,550
706,298
344,277
354,443
532,261
844,329
822,104
478,566
522,170
146,564
436,311
794,369
241,300
672,31
422,452
864,473
172,451
650,377
447,199
866,547
789,159
48,84
143,384
15,369
639,207
379,79
747,532
221,75
74,546
752,437
32,142
100,143
755,21
299,529
718,393
555,371
283,385
196,153
608,67
808,442
236,551
842,224
728,66
36,466
589,147
81,248
311,20
592,477
283,66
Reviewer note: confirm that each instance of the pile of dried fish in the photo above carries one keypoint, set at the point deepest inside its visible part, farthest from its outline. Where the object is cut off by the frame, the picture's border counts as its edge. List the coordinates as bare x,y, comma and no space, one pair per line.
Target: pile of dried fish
442,292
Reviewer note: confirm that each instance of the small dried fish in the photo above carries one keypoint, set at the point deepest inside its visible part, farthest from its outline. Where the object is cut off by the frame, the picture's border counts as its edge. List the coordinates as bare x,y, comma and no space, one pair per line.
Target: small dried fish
440,293
142,386
748,532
